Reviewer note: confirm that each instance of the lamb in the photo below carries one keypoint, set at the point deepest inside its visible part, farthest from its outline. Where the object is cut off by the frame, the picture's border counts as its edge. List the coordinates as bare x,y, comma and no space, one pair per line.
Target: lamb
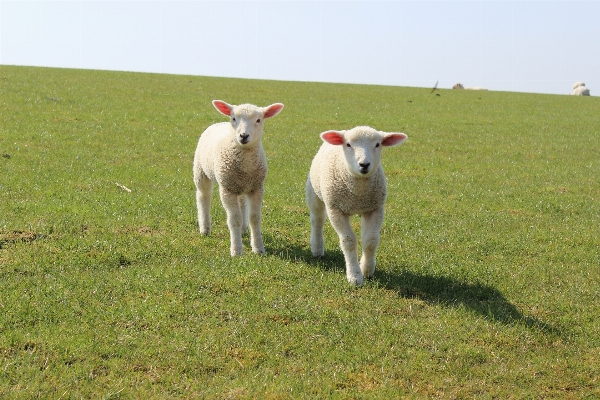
460,86
579,89
346,178
231,154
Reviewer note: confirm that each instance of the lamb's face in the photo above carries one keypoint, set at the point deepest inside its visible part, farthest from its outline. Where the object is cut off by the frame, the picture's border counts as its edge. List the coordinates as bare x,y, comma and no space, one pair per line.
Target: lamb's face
247,120
362,150
247,123
362,147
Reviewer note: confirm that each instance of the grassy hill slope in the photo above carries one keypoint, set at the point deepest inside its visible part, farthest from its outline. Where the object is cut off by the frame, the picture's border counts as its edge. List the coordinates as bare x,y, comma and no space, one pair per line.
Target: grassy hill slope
487,283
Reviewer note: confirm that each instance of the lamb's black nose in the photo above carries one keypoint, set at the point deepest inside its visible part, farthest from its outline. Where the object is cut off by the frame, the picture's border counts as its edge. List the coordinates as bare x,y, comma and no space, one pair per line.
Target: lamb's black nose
364,167
244,138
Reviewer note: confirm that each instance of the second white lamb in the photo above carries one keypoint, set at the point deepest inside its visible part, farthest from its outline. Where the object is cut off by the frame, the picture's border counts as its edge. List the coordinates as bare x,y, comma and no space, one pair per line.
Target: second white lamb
346,178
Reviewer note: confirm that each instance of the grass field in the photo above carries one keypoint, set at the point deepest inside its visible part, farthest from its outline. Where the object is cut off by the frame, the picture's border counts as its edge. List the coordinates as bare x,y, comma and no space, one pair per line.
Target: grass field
488,276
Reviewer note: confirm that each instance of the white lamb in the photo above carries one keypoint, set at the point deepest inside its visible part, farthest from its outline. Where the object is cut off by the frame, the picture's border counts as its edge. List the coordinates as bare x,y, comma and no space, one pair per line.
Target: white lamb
231,154
346,178
579,89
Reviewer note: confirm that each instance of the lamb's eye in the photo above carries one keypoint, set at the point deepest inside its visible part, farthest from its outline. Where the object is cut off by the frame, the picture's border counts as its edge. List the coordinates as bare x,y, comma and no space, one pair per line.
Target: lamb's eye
348,145
233,119
258,121
377,145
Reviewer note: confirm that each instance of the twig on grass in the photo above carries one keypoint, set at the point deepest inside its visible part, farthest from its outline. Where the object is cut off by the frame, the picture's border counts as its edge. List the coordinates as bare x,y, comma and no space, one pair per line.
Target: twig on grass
123,187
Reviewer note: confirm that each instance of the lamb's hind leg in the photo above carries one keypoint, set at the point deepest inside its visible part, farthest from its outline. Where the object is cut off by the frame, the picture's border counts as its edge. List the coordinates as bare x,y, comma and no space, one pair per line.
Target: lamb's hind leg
348,243
370,234
254,205
234,220
204,189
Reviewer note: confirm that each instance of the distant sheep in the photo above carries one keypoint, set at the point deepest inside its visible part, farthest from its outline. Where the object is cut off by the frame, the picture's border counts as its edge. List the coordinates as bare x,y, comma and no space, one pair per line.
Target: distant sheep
460,86
579,89
231,154
346,178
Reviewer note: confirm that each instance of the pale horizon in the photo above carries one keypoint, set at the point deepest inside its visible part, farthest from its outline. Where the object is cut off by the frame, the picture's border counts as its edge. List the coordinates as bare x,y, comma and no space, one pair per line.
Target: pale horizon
516,46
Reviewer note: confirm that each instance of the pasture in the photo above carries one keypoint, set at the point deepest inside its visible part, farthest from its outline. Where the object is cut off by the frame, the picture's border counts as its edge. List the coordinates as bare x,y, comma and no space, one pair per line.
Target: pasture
488,276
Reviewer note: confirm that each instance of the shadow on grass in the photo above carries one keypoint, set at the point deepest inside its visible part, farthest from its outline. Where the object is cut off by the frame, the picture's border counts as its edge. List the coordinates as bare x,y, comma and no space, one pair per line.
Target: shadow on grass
481,299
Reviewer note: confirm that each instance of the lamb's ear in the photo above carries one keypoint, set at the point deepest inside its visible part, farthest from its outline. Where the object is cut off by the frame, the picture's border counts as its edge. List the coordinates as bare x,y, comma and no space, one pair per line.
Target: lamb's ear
223,107
393,138
272,110
333,137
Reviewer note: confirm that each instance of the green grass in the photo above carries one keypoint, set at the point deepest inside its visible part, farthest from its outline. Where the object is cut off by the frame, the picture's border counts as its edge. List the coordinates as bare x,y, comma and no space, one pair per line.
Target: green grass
487,283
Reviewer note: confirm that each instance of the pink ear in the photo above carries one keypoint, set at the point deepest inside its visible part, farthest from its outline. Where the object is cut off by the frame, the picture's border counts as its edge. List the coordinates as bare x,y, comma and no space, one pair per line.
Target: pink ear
393,139
222,107
333,137
273,110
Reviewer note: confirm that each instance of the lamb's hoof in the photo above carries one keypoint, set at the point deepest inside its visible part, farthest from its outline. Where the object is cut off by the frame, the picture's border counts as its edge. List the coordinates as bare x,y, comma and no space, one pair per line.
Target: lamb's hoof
204,232
235,253
260,252
355,280
368,274
318,253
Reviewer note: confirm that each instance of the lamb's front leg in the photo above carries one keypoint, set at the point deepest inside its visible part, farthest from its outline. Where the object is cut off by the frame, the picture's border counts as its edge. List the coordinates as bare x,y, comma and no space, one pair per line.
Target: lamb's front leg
317,221
204,188
255,204
348,243
243,202
234,220
370,234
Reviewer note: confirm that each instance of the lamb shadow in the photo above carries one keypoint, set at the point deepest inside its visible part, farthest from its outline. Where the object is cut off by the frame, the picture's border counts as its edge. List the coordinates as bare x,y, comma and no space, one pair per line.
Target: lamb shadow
481,299
484,300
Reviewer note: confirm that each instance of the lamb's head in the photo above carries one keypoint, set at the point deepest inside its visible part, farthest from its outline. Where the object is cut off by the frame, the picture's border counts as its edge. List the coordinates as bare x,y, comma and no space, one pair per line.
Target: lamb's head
247,121
362,147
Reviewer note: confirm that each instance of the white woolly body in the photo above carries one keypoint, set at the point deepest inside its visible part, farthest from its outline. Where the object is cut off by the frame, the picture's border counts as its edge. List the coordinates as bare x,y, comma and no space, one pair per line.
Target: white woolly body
337,187
231,154
346,178
581,90
237,170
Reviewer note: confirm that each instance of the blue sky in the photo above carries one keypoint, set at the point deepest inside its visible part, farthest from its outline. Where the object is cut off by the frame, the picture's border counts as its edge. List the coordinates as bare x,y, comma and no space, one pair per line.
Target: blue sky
525,46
